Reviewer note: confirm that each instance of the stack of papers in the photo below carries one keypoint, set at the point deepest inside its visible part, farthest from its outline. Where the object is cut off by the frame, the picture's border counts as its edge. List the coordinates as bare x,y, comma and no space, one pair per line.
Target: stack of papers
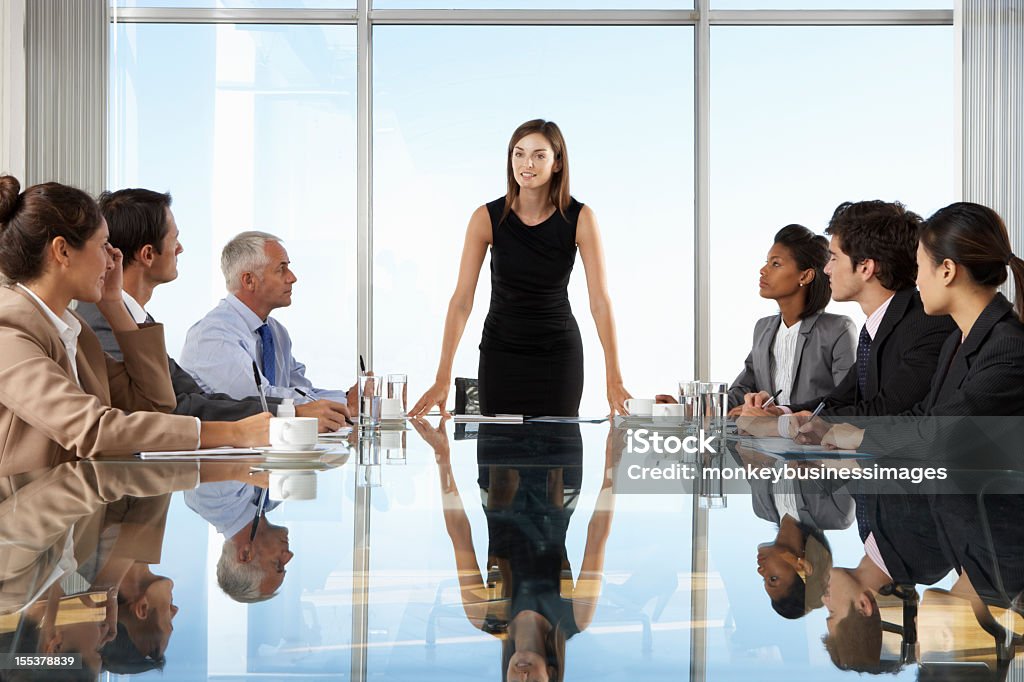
785,448
207,453
340,434
496,419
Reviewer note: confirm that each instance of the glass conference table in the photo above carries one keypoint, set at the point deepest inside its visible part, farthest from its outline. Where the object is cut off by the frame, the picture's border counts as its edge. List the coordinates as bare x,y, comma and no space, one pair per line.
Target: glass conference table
417,556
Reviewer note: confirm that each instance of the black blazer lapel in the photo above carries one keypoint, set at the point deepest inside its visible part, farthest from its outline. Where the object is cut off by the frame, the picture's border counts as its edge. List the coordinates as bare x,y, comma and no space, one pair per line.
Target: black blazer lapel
893,315
960,364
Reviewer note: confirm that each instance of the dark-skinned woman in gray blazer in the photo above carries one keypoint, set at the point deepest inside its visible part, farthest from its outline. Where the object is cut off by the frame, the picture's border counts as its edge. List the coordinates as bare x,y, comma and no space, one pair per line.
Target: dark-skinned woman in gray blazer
801,351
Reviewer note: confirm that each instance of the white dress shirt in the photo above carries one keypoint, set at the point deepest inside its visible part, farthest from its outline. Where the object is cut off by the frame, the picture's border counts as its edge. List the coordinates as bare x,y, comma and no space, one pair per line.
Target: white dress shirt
68,328
136,310
784,359
874,320
220,349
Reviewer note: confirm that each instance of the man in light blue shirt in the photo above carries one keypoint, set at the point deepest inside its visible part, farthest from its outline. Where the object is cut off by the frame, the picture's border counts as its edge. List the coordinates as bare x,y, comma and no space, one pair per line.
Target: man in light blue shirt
250,569
220,348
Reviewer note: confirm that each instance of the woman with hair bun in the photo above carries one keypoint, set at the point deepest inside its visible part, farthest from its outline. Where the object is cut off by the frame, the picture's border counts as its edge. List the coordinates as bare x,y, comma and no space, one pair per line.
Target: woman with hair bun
61,397
802,352
963,256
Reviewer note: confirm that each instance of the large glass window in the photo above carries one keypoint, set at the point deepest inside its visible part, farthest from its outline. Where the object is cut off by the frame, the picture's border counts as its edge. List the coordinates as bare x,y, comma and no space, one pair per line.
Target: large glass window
446,100
804,119
250,128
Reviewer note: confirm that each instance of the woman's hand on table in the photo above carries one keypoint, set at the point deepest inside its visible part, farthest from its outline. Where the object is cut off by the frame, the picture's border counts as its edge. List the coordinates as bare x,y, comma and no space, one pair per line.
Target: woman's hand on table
437,438
435,395
617,396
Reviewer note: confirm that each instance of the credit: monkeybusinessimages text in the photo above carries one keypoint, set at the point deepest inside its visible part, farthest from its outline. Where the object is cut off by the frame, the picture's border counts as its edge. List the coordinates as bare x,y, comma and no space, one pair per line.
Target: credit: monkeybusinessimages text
679,471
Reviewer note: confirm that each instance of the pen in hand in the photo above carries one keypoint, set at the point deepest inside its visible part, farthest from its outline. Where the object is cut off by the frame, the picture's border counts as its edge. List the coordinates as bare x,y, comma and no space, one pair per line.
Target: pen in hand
772,399
817,410
259,386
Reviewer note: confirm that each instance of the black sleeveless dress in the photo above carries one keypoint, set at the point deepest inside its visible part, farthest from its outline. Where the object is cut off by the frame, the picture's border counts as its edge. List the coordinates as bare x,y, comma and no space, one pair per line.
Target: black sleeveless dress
531,353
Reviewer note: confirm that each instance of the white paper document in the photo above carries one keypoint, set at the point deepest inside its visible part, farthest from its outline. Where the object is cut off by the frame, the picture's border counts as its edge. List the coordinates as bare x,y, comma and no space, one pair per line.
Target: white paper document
218,453
496,419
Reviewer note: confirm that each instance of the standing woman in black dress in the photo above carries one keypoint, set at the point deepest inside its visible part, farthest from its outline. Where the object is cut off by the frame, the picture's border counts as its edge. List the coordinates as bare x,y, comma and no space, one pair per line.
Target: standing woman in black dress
531,353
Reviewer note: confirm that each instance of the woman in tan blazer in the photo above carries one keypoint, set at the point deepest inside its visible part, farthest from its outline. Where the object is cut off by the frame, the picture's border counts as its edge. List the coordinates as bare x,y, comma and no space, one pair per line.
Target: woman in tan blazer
61,397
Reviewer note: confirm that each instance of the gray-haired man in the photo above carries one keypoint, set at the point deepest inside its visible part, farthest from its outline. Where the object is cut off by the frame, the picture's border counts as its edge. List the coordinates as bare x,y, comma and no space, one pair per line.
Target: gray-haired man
220,348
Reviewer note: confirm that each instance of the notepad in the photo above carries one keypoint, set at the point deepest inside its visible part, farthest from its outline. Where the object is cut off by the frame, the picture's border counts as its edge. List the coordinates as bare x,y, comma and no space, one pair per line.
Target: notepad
565,420
211,453
788,449
482,419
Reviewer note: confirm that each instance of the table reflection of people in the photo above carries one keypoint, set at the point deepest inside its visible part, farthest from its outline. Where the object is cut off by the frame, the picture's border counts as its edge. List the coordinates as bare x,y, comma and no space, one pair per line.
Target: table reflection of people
529,478
70,538
796,564
251,567
901,547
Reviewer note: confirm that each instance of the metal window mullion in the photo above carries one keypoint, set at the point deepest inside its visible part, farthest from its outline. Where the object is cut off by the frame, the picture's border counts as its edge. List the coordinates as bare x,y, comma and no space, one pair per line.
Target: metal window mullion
624,17
702,318
702,191
507,17
364,186
836,17
364,327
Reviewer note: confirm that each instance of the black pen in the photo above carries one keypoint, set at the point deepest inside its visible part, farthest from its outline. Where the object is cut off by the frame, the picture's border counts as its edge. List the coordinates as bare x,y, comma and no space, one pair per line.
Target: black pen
301,392
771,400
260,505
259,386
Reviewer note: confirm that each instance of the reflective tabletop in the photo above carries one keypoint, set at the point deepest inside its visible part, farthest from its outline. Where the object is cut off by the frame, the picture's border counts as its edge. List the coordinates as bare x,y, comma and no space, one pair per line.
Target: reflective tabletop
442,551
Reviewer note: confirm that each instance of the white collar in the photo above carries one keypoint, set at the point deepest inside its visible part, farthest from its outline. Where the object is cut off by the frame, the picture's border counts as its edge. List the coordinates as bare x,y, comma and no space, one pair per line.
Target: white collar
134,307
874,320
67,325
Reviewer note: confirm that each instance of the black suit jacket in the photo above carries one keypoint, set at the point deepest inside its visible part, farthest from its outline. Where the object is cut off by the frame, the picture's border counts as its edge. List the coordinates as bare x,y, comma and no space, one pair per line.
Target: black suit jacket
964,534
978,379
904,355
907,537
191,398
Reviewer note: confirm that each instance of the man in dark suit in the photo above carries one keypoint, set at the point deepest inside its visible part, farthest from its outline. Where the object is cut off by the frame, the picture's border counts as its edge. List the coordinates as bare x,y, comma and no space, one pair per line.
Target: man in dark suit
142,226
873,262
901,547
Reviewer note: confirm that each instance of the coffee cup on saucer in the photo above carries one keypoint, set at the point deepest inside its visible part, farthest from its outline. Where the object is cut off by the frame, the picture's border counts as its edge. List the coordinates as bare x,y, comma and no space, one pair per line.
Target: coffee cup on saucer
293,433
670,413
639,407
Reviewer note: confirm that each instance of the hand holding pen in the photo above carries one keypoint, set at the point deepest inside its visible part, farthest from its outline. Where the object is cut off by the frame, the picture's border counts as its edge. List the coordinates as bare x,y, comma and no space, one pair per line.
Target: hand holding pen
812,430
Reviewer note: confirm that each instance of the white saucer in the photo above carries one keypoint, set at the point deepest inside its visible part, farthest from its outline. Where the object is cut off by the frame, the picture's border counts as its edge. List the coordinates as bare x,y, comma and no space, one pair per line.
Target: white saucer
276,453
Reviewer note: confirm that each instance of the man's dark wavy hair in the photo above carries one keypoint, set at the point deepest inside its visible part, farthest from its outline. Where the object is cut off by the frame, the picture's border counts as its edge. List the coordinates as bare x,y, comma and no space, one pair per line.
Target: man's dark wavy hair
885,232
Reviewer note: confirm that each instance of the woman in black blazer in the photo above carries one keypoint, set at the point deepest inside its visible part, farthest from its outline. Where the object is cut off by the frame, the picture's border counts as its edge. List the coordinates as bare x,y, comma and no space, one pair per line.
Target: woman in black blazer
823,347
963,255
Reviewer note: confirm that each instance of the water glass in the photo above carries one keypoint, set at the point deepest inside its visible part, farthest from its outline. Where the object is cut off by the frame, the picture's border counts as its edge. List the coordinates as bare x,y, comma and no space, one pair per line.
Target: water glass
369,400
398,387
714,406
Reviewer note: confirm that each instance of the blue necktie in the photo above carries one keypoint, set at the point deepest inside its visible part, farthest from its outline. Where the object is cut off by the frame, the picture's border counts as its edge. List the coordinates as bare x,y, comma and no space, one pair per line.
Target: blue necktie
863,355
268,353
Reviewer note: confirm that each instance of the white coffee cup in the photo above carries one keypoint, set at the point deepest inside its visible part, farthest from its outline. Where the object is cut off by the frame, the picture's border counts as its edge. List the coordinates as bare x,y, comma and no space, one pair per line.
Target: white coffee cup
293,433
391,408
292,485
667,413
640,407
